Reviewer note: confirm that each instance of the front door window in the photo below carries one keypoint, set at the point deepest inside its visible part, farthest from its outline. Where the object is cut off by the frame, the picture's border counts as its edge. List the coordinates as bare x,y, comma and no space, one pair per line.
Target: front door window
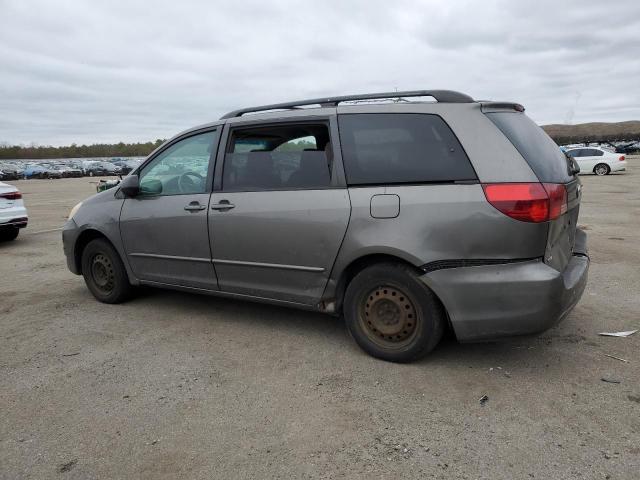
181,169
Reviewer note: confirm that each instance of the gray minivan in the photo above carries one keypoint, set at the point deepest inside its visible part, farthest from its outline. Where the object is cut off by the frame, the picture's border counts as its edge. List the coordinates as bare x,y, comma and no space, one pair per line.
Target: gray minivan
408,217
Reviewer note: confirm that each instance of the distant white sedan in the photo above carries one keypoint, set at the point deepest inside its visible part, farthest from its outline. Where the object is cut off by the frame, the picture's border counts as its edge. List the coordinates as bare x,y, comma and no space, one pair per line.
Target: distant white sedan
13,214
597,160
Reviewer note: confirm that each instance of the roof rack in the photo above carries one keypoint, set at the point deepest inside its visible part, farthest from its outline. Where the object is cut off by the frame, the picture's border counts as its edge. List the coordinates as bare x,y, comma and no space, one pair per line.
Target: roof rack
441,96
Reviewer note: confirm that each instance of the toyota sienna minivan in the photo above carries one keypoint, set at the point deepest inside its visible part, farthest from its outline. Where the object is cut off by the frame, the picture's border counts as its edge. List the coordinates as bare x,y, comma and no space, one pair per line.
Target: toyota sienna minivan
408,217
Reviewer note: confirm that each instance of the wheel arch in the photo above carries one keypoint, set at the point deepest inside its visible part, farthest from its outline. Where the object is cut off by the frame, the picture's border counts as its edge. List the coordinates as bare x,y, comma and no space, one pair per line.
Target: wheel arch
360,263
83,240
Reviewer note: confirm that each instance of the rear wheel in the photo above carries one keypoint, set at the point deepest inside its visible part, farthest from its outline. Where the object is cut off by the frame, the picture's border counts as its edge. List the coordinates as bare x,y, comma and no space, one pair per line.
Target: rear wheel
391,314
601,169
104,273
8,233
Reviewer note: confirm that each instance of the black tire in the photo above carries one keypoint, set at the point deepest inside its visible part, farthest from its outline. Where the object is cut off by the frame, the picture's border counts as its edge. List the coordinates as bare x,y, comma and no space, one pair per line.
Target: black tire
391,314
8,233
601,169
104,273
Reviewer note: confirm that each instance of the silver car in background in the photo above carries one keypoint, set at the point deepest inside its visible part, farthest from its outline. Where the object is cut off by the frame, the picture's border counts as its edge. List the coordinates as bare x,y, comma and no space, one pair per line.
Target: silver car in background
406,217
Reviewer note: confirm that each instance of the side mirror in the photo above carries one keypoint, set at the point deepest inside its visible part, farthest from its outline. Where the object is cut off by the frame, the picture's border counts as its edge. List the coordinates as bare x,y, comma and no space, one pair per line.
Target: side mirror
130,186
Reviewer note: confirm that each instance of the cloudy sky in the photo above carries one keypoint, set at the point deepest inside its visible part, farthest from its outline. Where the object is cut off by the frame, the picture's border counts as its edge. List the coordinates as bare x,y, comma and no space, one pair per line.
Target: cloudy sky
109,71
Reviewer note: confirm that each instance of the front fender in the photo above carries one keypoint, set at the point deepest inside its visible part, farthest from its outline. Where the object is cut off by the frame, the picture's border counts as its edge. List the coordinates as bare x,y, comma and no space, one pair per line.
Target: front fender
98,216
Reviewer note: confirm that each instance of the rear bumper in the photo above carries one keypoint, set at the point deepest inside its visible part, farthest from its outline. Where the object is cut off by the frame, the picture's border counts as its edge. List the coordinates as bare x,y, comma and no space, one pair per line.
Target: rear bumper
14,217
507,300
619,166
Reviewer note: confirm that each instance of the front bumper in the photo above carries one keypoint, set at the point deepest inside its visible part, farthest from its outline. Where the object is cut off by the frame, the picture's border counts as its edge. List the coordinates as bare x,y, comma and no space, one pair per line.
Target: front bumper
507,300
70,233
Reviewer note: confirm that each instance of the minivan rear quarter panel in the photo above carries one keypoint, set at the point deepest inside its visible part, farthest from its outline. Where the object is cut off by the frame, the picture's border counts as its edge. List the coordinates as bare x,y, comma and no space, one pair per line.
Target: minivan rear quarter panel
437,222
445,221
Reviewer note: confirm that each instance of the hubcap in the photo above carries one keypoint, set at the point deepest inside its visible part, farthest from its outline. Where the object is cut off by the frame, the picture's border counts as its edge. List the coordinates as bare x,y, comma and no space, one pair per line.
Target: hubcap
102,273
388,316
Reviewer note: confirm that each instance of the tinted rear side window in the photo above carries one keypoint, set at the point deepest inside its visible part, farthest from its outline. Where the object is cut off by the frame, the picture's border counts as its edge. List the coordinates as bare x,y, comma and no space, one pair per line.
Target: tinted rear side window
536,147
383,148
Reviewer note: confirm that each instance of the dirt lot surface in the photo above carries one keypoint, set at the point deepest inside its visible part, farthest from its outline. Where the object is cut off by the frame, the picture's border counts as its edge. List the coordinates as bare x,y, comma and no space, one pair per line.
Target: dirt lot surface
174,385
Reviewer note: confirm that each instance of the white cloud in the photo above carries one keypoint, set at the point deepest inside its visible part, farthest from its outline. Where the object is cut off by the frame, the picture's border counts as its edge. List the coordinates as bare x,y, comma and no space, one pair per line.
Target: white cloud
77,71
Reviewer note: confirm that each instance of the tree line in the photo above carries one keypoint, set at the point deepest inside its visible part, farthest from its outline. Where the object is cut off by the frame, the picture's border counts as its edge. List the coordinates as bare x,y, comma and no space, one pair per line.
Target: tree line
35,152
78,151
561,134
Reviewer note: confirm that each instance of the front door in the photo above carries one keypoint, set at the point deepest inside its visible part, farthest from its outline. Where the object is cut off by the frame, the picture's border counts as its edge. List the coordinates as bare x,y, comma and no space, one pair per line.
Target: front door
277,223
164,229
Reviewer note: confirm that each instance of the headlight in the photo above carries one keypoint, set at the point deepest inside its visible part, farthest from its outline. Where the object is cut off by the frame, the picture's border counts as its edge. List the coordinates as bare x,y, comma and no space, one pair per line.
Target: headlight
74,210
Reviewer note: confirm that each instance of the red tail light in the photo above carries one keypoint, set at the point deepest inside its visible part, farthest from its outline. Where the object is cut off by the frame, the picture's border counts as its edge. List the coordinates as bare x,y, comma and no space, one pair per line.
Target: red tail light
557,199
528,202
11,195
621,158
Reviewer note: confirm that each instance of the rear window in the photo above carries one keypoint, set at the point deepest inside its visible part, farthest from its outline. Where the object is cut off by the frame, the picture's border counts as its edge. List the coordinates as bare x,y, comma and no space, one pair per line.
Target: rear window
536,147
386,148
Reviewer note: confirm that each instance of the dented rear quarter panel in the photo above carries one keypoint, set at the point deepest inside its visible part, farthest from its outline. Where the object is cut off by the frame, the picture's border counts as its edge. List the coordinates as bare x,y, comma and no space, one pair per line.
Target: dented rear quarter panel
436,222
444,221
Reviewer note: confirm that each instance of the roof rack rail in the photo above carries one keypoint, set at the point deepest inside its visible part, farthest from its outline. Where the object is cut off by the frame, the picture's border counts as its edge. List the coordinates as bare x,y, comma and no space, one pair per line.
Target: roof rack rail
441,96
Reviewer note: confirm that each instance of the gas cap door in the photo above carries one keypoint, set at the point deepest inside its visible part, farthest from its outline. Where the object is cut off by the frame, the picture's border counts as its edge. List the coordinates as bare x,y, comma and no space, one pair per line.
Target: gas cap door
385,206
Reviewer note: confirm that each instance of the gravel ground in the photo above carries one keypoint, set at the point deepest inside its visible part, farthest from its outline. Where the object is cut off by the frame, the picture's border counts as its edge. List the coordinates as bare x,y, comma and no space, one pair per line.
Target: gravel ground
174,385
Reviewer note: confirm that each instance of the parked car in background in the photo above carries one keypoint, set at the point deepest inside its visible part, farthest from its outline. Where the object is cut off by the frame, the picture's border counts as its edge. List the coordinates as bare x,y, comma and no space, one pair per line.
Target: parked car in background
597,160
126,166
628,148
68,171
13,214
417,216
99,168
40,171
9,172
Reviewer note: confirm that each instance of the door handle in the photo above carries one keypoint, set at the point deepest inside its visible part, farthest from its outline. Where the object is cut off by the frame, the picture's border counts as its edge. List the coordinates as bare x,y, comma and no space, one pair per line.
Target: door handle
194,207
223,205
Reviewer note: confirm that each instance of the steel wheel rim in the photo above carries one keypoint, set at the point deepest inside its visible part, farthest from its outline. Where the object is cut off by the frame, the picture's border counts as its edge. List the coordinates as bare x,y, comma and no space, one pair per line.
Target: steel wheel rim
102,273
388,317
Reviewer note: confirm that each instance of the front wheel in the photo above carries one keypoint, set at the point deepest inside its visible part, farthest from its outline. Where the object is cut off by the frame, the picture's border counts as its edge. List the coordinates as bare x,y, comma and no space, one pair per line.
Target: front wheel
391,314
104,273
601,169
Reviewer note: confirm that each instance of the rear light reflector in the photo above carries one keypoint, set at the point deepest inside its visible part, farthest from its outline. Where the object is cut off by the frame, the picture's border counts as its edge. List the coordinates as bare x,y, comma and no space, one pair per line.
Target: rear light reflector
528,202
621,158
11,195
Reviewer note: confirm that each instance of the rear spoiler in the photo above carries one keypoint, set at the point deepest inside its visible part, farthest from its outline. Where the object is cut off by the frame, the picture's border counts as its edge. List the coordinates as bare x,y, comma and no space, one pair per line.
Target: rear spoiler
496,106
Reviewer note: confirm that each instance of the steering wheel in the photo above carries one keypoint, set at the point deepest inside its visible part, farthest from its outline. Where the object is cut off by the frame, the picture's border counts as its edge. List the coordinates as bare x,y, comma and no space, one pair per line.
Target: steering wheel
186,184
